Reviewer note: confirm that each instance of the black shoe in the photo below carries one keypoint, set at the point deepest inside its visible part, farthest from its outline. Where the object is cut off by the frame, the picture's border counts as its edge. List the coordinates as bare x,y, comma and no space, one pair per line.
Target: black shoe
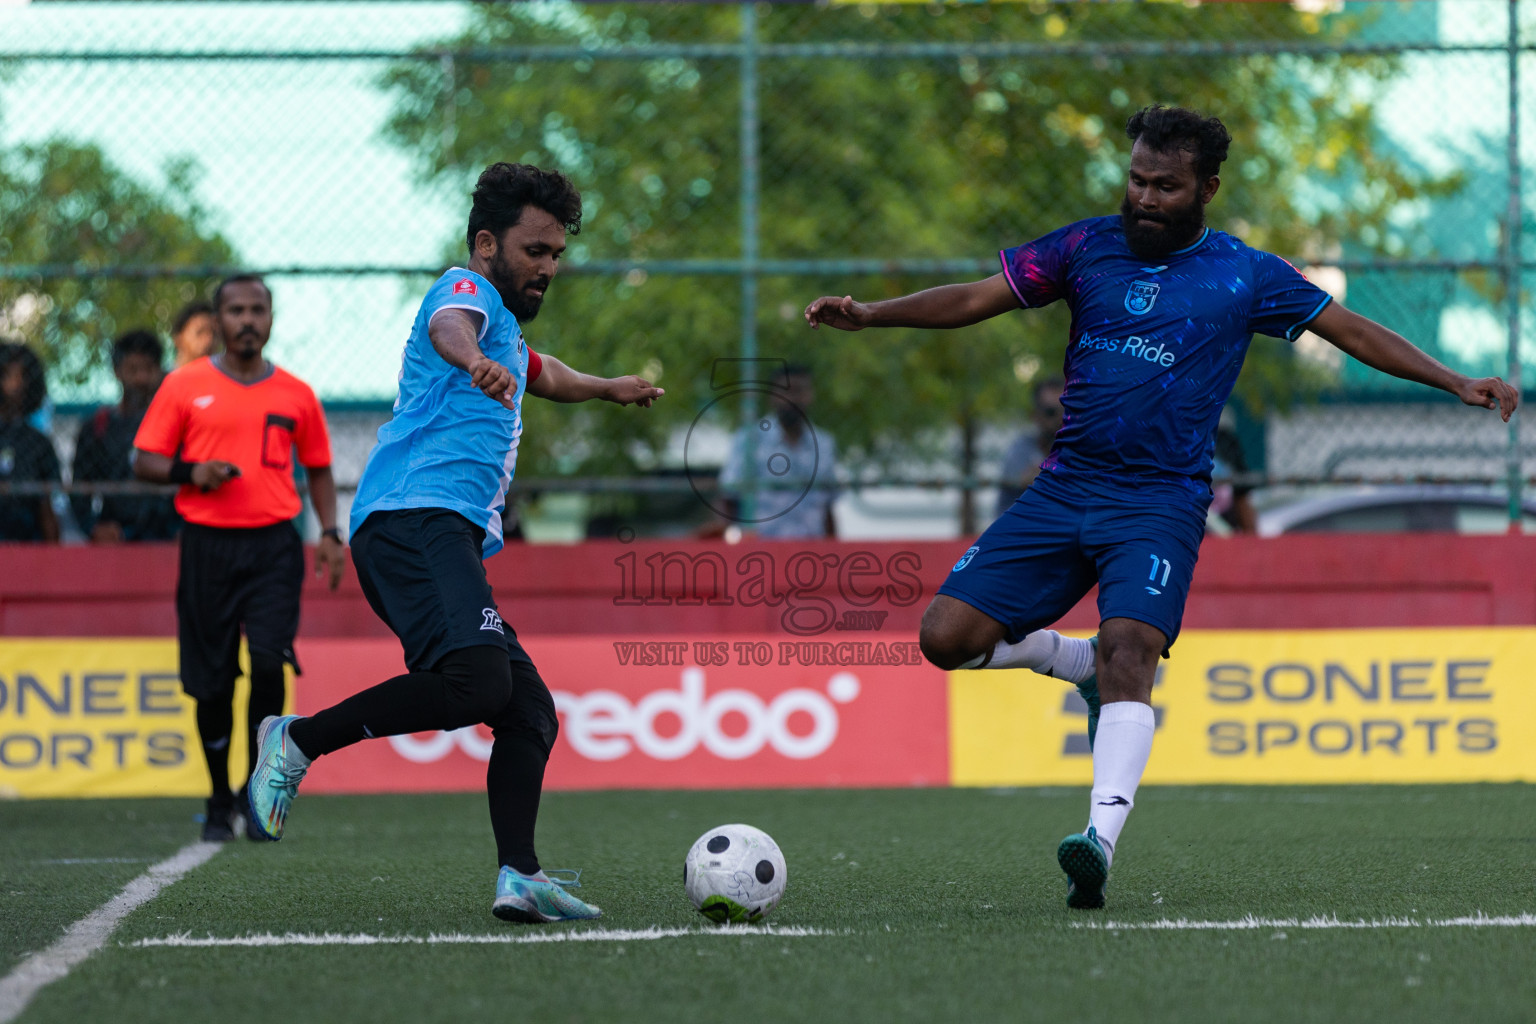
217,827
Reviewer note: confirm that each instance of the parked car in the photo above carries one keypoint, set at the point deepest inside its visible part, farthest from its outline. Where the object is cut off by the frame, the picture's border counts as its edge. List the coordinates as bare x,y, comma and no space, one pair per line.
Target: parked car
1409,508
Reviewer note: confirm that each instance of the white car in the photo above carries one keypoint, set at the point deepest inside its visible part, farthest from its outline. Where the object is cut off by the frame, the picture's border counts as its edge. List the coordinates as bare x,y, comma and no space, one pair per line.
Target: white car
1407,508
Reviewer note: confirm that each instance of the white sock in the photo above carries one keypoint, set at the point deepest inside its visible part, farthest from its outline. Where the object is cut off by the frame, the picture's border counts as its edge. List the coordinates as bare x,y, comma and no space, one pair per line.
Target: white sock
295,755
1045,651
1120,753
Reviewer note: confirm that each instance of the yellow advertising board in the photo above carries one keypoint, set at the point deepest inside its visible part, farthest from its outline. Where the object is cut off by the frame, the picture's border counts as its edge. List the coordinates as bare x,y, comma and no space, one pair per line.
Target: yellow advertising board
106,717
1279,706
101,717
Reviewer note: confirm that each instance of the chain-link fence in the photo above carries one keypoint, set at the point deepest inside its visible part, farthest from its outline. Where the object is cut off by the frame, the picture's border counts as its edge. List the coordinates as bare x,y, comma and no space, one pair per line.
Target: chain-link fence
738,160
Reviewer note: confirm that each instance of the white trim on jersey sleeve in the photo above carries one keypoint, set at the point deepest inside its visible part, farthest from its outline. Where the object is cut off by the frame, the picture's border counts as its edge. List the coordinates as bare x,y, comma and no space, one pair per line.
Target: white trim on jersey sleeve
485,318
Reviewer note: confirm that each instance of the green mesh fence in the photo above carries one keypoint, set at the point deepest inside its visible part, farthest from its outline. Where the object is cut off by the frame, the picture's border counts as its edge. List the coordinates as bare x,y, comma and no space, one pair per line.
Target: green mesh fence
738,160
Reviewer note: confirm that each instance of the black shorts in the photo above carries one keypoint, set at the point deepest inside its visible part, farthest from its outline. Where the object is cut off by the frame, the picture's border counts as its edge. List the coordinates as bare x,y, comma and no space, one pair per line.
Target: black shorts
231,578
421,571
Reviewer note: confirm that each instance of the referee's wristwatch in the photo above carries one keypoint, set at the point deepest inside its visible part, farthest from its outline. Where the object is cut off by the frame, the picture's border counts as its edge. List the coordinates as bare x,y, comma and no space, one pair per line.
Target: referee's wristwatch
334,533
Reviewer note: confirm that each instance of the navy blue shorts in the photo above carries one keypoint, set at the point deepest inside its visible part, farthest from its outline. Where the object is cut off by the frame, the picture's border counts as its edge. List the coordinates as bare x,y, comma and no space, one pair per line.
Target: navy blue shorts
1041,556
420,570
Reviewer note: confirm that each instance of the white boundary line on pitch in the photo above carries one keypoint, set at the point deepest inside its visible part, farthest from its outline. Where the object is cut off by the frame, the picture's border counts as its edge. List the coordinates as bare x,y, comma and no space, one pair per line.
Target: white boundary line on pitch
186,940
1252,923
91,932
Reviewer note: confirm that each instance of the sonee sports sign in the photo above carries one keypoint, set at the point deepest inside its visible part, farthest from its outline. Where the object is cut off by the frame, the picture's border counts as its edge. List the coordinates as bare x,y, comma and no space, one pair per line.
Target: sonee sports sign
1281,706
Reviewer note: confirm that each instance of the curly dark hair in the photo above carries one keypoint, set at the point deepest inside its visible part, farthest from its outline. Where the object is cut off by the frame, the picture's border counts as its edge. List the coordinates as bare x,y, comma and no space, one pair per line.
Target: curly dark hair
1170,128
35,383
139,342
504,189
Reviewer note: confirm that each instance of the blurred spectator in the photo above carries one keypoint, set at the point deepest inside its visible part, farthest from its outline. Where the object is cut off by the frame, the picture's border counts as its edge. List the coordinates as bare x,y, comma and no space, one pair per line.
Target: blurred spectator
26,454
42,418
192,332
790,457
1230,500
104,449
1022,462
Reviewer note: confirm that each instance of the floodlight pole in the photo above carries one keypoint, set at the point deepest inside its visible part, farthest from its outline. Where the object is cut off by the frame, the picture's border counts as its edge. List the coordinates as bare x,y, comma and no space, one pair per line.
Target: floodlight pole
750,185
1513,466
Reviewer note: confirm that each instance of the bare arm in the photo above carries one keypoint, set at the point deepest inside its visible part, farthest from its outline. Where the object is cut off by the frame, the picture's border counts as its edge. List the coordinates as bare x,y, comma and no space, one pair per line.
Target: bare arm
330,555
1389,352
455,334
949,305
207,476
322,495
559,383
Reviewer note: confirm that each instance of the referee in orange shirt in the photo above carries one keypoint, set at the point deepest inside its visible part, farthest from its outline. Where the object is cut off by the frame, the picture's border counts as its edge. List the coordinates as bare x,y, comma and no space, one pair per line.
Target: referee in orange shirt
226,427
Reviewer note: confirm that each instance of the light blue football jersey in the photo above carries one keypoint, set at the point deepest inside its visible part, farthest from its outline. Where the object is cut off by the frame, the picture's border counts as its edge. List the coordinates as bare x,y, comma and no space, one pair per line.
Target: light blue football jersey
448,445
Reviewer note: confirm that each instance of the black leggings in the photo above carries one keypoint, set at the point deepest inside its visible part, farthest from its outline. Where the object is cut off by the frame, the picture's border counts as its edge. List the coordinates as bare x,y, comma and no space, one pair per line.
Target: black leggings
468,686
216,718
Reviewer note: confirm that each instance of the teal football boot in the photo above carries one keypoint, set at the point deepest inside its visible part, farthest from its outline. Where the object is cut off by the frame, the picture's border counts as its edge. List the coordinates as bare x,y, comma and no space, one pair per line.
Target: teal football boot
1081,855
538,899
1088,689
280,767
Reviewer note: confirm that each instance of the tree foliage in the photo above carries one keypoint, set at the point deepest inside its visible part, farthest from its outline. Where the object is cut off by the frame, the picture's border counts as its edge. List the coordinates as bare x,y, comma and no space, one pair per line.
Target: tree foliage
63,202
912,157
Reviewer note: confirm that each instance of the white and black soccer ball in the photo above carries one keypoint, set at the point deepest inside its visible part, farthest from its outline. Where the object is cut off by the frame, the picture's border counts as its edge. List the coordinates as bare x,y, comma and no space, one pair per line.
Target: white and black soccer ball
735,873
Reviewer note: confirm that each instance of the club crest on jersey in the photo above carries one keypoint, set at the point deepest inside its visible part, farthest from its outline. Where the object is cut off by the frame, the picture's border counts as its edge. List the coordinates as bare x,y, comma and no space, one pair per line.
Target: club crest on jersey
1141,295
492,621
467,287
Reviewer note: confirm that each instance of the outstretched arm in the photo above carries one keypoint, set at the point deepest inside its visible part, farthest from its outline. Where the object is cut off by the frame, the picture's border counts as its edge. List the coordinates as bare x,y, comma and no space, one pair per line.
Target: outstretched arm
1390,352
559,383
949,305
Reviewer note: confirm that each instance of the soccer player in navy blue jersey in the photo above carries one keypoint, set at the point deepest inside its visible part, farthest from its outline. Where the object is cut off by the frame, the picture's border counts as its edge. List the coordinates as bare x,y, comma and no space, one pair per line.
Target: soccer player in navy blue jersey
1163,310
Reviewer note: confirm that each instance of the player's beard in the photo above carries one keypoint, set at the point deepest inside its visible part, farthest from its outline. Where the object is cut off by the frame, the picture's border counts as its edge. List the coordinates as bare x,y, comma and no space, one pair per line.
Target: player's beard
1170,231
512,291
246,345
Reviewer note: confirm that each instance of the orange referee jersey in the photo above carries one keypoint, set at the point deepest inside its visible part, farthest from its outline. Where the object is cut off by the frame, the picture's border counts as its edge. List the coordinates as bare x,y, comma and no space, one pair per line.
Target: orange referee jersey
205,414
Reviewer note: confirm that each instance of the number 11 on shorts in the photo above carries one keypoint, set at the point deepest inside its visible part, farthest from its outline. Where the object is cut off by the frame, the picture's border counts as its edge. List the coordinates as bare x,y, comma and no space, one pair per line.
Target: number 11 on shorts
1159,563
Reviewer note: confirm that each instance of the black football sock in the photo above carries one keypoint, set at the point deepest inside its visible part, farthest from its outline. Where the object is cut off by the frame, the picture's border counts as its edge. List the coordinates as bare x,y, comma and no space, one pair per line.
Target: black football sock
466,686
215,724
513,782
267,692
525,733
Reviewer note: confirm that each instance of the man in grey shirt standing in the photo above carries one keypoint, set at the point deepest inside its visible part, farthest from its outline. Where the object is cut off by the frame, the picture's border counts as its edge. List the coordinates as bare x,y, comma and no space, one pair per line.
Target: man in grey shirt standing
793,465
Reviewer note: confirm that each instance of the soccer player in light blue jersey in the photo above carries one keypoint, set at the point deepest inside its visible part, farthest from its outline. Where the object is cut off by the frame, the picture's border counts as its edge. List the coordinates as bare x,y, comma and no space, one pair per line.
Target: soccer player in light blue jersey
428,511
1163,309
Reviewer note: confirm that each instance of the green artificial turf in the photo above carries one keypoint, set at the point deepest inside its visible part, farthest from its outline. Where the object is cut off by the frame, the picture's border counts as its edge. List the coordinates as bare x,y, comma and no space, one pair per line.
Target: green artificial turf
939,905
61,859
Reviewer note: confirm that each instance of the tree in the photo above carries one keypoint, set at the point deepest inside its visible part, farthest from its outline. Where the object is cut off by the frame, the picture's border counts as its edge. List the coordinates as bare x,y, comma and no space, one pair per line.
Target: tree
896,158
66,203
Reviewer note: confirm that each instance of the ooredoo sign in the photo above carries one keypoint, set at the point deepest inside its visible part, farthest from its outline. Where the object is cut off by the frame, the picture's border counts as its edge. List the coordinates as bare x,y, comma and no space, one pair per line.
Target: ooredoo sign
669,723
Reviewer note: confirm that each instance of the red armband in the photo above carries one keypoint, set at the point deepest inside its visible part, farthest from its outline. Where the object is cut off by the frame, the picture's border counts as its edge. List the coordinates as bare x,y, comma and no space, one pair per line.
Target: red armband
535,366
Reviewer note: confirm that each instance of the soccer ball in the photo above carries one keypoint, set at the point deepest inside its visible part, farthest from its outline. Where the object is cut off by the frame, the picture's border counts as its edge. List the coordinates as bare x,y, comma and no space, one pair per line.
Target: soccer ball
735,873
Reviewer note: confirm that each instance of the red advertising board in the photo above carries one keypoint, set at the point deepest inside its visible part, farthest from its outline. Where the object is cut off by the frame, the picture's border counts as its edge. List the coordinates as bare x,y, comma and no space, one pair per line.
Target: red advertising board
672,712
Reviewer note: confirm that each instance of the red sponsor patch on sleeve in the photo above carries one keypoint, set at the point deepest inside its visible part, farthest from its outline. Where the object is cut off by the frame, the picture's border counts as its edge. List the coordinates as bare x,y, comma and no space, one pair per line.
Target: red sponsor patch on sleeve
465,287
